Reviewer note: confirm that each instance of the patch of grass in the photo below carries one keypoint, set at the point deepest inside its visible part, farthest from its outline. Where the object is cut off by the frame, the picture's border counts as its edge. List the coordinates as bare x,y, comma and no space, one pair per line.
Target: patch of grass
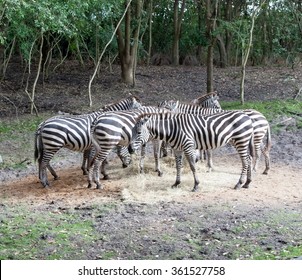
26,234
290,252
17,140
270,109
12,128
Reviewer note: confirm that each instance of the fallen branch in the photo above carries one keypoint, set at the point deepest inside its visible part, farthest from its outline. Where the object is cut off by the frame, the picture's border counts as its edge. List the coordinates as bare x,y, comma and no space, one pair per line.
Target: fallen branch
300,90
284,121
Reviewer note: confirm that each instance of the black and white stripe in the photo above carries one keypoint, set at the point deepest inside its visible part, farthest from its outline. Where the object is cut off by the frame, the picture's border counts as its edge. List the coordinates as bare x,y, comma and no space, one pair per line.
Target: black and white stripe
186,133
209,100
72,132
260,125
109,130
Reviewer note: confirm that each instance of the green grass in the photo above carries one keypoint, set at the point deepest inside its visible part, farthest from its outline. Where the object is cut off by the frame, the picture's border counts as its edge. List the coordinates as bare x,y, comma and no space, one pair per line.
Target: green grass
26,234
17,141
272,110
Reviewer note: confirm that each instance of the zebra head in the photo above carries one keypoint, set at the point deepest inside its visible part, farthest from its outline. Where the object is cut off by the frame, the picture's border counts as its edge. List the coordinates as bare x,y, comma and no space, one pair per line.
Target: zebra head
140,135
171,105
209,100
135,102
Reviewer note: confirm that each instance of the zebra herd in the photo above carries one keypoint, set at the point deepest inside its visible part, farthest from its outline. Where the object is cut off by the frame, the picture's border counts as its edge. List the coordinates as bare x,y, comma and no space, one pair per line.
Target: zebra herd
127,126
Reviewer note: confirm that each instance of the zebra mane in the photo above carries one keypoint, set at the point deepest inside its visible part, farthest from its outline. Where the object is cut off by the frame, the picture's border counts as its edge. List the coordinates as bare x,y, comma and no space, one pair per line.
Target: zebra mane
212,94
161,115
128,100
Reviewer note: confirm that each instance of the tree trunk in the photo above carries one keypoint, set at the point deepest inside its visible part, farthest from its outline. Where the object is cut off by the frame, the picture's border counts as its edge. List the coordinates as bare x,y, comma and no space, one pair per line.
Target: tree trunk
211,25
246,52
223,63
150,33
177,27
128,45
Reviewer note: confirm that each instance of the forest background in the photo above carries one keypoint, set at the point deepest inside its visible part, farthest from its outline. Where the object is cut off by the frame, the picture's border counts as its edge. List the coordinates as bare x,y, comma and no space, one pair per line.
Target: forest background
40,35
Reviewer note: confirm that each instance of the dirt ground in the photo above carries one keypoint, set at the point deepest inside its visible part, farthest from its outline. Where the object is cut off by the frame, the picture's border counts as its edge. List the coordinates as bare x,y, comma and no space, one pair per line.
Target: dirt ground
149,219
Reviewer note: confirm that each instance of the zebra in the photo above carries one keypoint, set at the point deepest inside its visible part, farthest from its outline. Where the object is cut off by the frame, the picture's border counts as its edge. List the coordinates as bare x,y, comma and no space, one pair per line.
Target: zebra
109,130
186,133
72,132
260,125
157,144
209,100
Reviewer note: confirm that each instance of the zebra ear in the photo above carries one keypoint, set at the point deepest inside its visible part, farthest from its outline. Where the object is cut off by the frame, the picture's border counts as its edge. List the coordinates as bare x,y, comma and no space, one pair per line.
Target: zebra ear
145,119
174,105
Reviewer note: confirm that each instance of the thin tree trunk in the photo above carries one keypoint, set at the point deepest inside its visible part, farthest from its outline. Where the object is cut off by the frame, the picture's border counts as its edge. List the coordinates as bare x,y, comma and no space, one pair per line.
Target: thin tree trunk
177,28
6,61
150,33
99,60
33,106
245,53
211,25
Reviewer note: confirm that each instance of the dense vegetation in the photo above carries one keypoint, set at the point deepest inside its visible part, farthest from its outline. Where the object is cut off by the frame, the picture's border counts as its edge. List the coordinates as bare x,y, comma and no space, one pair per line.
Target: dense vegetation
53,30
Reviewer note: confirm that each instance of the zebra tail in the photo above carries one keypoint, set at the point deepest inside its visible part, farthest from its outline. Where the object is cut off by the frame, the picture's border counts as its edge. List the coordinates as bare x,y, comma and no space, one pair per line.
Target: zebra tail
94,142
252,147
268,140
38,146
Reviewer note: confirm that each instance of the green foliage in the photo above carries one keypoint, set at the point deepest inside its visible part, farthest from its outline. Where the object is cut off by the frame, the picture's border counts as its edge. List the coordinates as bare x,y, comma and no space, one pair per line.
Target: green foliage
272,109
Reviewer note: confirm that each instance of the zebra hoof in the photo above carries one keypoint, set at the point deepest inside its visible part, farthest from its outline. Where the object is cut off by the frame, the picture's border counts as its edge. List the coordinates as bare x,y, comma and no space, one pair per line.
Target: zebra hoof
265,172
159,173
125,165
106,177
237,187
85,173
99,187
176,185
56,178
195,189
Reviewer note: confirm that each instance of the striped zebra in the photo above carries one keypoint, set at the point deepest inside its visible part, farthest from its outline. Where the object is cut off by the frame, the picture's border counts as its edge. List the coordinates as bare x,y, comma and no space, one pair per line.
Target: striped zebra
260,125
109,130
186,133
72,132
157,144
209,100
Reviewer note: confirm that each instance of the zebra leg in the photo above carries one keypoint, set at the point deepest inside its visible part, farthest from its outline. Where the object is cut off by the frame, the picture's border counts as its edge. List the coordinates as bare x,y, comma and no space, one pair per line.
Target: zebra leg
191,157
209,160
104,170
257,156
142,159
246,152
265,152
53,172
43,174
94,168
249,173
178,161
243,176
163,149
85,161
156,151
43,164
124,155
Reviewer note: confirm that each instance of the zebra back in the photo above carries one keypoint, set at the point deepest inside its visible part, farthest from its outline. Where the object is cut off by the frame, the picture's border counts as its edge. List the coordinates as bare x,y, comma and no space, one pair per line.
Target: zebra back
131,102
179,107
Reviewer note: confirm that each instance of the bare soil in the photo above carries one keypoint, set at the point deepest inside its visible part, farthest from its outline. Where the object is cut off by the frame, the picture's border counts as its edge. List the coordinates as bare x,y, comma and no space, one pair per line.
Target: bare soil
148,218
